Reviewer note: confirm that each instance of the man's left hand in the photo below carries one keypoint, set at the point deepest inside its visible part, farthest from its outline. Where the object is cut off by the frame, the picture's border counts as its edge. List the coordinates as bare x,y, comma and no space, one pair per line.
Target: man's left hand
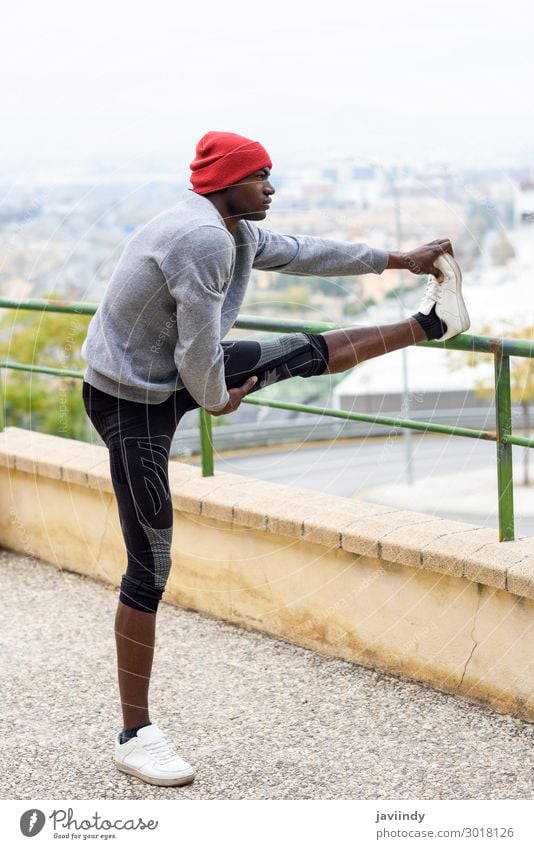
421,260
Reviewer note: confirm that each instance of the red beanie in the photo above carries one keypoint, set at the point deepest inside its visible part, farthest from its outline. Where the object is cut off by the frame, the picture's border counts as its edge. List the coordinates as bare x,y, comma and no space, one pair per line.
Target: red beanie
223,159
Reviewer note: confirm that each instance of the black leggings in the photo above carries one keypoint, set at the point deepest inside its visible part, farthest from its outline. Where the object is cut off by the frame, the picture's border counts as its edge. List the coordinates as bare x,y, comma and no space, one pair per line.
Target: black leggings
139,439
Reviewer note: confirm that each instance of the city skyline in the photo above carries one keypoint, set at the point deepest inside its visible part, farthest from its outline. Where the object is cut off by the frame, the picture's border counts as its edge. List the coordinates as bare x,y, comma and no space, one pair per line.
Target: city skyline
130,88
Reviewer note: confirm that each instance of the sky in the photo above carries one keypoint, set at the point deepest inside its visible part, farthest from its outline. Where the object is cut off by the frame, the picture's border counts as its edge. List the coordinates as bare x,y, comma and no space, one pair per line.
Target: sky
125,86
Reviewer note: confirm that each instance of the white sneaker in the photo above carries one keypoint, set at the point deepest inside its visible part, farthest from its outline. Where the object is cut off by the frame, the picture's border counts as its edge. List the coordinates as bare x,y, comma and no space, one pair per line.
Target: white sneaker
149,757
447,296
431,295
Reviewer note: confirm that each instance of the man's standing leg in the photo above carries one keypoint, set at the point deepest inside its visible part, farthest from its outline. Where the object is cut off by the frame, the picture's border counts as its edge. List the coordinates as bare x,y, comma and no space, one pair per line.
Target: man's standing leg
138,437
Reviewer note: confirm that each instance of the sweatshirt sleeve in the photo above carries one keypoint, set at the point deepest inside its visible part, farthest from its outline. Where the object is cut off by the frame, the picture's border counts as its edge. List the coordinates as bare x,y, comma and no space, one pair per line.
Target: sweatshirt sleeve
315,256
197,270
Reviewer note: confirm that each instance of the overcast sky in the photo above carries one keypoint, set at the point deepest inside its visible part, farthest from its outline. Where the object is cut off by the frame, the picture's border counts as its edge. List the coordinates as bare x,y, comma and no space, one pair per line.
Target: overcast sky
137,82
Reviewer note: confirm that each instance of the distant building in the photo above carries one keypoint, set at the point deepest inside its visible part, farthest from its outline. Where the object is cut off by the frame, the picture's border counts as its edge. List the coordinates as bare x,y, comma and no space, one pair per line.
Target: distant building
354,183
376,386
524,203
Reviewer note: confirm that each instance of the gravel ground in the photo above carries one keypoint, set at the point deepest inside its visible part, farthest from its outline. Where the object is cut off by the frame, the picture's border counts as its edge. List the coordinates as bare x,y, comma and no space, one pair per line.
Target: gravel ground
257,717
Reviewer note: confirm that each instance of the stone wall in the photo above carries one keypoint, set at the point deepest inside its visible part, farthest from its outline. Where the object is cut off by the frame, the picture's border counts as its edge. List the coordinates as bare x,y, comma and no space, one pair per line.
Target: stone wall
438,601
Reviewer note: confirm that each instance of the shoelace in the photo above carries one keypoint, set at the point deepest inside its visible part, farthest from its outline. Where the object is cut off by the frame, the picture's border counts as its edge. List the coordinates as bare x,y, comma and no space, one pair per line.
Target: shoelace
433,289
160,750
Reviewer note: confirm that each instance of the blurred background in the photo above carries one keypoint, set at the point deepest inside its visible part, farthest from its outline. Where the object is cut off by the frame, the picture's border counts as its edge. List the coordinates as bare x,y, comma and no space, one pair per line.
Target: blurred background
387,123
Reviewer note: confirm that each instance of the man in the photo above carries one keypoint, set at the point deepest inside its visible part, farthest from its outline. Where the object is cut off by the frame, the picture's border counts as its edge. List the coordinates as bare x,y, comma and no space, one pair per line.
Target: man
154,351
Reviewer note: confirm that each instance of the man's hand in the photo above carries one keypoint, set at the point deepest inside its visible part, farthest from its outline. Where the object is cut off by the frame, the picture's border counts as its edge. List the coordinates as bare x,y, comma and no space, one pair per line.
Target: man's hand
236,396
421,260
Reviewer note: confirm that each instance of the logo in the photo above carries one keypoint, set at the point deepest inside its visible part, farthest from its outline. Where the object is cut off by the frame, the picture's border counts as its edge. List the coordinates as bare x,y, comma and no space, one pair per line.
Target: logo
31,822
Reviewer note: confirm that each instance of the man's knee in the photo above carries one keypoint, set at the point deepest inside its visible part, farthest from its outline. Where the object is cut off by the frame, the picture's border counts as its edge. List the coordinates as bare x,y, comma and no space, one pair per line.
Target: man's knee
289,355
299,355
140,595
318,360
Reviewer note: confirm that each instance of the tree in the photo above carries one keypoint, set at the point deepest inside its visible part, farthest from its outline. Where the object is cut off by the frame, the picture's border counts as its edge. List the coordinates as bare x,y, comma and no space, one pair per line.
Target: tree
47,403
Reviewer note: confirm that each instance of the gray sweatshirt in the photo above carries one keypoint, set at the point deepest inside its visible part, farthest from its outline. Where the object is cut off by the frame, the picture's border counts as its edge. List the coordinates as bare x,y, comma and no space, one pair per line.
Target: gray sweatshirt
177,291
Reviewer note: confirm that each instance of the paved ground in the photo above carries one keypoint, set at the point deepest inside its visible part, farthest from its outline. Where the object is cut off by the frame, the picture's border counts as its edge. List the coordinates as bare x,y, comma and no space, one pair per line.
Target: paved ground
258,717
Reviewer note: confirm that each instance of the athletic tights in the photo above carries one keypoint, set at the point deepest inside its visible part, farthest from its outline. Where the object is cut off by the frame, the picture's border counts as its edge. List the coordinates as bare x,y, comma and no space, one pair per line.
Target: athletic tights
139,437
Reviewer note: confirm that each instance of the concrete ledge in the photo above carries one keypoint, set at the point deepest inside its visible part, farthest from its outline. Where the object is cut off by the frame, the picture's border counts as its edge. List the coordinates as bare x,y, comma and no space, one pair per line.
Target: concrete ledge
434,600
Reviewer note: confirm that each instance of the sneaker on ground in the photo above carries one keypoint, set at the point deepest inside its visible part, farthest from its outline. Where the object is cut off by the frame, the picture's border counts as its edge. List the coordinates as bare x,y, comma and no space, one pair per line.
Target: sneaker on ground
149,757
447,296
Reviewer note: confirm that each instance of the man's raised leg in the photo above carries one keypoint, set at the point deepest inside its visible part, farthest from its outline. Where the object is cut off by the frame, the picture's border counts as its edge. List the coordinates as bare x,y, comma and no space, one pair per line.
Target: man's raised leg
306,355
353,345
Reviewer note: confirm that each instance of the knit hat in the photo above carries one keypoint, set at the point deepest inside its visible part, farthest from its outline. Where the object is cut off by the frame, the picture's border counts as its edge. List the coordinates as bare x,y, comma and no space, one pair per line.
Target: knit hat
223,159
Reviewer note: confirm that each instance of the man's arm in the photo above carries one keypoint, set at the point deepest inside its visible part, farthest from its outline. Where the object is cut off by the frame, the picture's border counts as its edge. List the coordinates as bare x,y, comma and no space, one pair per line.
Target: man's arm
312,255
196,270
328,257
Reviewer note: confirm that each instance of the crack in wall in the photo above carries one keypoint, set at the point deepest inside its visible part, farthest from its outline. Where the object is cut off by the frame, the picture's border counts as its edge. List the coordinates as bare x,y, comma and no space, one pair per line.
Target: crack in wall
512,566
427,545
472,635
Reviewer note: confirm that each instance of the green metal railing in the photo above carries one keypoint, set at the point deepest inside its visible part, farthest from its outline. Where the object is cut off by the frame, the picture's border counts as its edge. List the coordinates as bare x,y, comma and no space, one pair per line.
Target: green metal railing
500,349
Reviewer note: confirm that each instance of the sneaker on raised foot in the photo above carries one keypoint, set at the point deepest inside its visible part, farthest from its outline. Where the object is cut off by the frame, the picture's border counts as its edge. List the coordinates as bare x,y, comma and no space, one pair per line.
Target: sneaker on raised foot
149,757
447,296
430,296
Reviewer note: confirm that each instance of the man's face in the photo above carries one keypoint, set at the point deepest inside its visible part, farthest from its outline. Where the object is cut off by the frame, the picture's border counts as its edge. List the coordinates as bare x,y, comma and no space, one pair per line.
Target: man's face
251,197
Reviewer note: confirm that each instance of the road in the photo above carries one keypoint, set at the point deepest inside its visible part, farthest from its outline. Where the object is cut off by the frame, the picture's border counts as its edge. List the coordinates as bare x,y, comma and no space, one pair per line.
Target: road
354,468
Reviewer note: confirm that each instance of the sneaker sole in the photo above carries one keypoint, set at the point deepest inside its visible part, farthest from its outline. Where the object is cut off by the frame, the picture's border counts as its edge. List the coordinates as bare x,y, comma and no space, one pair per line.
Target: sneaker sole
159,782
458,274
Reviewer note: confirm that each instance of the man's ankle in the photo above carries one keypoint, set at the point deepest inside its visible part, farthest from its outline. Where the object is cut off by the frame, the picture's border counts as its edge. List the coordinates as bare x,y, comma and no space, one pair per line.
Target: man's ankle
127,733
433,326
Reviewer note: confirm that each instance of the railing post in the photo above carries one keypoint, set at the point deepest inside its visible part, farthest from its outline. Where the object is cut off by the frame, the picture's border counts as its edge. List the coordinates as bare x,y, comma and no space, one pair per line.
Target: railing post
503,411
206,443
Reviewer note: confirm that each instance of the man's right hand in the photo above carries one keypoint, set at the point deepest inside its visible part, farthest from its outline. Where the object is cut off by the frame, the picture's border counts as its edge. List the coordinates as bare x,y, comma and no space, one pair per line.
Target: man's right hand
421,260
236,396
